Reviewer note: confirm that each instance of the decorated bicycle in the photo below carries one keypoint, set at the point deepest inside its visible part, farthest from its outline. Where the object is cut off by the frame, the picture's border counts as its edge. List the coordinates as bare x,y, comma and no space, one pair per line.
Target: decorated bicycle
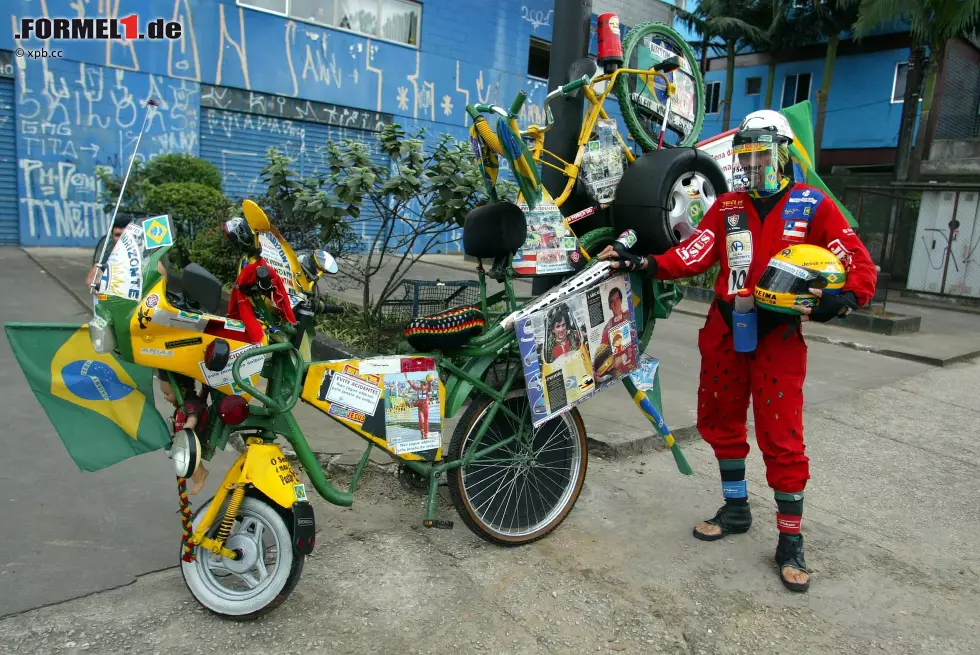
515,464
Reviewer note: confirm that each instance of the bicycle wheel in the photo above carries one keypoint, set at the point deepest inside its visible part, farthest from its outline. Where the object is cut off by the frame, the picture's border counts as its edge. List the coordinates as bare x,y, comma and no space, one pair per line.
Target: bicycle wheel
522,491
642,103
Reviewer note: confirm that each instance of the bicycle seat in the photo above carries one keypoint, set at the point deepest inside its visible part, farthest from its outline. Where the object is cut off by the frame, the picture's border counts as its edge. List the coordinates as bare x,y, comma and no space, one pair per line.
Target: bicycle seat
445,331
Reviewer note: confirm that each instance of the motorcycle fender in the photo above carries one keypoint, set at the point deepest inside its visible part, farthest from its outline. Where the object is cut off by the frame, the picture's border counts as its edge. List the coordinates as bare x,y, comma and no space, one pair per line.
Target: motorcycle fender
268,470
304,527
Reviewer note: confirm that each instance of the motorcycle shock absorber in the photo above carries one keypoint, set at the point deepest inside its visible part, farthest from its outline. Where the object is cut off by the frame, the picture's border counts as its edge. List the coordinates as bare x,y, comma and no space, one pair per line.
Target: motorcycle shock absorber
237,496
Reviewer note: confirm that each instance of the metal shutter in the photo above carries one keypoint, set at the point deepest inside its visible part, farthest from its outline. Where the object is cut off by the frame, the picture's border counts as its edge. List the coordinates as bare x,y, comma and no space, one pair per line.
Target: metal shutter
237,143
9,219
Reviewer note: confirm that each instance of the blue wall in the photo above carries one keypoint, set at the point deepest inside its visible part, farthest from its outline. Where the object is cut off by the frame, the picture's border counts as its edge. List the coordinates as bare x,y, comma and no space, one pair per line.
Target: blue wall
75,112
860,113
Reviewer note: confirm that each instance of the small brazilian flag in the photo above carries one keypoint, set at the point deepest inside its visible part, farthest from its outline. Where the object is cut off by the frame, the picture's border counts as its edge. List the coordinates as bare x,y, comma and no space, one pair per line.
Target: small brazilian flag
101,407
800,119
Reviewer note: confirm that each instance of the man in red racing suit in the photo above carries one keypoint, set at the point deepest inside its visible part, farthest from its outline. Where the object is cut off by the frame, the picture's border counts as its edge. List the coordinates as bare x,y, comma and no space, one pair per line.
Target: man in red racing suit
742,231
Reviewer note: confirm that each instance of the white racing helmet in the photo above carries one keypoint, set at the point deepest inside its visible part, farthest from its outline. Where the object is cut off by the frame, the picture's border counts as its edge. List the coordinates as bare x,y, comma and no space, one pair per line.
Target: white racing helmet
760,149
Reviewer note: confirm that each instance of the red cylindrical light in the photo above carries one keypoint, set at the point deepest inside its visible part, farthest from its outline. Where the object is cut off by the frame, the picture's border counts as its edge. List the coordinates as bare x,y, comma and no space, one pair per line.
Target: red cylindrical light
233,409
610,51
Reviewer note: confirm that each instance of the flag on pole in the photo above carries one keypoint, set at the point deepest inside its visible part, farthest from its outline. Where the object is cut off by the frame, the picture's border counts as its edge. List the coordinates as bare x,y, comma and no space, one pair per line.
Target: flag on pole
101,407
800,118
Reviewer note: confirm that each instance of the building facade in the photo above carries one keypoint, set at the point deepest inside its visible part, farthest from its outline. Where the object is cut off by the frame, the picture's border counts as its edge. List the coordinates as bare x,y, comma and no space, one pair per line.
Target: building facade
246,75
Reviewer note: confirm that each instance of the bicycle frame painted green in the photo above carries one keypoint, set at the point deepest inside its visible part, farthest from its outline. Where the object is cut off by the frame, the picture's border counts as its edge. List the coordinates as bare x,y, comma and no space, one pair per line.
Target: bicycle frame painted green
285,372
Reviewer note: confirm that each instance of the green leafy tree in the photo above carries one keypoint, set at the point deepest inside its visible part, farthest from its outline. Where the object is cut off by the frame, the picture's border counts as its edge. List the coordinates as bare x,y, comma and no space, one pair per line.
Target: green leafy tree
726,26
932,24
403,206
182,186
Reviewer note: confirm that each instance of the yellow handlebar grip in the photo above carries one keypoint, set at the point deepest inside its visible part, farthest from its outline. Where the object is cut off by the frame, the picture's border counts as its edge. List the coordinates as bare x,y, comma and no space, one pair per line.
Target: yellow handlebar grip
487,136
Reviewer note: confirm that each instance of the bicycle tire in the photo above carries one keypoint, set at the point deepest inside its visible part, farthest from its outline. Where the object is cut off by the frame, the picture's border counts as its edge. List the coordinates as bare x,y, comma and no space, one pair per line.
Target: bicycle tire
461,490
622,90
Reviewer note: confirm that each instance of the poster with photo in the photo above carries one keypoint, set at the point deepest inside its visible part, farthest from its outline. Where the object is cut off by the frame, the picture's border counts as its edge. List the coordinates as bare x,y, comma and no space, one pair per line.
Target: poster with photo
412,421
395,402
612,340
577,347
549,243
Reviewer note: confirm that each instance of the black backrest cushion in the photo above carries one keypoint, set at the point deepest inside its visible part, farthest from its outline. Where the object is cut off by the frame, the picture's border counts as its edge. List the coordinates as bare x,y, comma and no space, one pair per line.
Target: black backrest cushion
495,230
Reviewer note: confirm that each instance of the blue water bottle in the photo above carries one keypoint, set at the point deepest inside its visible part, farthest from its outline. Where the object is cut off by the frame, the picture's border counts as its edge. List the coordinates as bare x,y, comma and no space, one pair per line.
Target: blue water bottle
744,325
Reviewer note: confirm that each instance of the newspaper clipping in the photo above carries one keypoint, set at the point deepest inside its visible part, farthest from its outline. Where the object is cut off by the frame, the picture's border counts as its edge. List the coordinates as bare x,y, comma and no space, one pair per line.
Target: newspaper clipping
395,400
550,243
578,347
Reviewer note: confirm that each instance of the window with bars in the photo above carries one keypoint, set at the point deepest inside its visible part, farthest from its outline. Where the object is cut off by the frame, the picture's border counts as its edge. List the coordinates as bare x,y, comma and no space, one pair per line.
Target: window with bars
392,20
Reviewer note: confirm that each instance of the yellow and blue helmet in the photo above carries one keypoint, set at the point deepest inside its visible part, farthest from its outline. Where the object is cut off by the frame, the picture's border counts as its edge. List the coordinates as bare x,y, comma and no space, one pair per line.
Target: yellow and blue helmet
792,272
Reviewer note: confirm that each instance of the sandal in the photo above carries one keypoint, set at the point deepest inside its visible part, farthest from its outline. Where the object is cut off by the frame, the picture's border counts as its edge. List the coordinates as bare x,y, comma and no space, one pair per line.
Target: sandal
731,518
790,553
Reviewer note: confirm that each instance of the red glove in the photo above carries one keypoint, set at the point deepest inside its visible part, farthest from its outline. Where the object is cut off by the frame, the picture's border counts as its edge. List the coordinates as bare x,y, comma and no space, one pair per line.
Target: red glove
240,306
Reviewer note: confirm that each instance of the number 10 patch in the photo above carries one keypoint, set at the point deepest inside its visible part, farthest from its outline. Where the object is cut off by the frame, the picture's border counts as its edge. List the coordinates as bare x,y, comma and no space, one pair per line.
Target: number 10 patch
738,247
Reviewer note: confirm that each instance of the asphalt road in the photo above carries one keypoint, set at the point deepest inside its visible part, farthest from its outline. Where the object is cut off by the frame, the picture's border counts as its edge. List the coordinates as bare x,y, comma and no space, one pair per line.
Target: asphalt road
890,524
67,532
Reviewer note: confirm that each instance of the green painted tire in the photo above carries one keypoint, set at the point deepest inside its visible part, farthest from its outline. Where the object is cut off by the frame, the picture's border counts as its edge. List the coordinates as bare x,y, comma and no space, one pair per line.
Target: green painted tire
628,108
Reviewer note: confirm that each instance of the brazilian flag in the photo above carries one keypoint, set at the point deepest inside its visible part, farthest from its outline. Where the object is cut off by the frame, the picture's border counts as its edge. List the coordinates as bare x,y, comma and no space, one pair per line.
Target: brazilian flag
101,407
800,119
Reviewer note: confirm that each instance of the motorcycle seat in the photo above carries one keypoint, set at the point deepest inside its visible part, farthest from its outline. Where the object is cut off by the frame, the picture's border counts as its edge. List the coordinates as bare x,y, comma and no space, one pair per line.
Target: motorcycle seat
447,330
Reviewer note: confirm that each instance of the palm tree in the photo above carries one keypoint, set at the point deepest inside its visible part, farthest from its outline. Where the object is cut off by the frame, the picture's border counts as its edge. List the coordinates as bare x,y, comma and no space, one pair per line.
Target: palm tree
726,26
932,24
830,18
787,29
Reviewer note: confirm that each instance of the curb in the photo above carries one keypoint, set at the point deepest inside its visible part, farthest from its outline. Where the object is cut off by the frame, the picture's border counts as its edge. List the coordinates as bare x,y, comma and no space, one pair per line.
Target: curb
897,354
649,443
71,292
929,360
450,266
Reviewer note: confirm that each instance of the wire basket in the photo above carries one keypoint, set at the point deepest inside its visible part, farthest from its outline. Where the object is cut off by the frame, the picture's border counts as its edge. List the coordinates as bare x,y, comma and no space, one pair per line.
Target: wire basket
424,298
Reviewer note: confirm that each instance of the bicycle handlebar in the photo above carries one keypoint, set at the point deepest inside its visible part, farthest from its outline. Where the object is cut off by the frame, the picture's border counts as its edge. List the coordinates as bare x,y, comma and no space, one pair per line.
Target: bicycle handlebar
255,393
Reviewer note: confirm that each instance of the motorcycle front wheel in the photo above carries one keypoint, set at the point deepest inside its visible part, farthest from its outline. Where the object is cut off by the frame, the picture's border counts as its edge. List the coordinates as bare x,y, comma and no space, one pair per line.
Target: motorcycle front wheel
264,575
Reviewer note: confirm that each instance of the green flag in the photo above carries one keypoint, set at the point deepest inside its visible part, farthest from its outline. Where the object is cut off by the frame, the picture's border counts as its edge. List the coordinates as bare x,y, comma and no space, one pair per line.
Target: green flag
800,119
101,407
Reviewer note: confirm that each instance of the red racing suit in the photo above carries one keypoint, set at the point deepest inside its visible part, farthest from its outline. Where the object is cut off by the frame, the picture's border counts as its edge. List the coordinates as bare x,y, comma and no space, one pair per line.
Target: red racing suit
733,234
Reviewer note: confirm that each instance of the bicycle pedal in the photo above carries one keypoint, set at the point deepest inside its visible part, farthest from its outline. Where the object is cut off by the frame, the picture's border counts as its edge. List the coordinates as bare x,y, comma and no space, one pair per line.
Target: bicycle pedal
438,523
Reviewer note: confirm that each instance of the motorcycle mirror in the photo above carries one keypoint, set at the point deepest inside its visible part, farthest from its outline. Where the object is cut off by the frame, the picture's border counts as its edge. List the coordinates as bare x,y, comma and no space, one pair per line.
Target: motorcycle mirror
257,220
308,265
325,262
585,66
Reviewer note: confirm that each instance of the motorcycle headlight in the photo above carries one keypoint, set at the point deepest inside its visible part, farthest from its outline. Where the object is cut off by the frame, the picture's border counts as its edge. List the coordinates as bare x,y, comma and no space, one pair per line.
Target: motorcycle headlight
102,336
186,453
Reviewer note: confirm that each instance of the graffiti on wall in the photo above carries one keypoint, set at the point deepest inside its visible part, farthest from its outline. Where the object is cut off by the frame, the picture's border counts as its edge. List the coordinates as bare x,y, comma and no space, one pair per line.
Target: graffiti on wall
231,46
85,109
73,117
